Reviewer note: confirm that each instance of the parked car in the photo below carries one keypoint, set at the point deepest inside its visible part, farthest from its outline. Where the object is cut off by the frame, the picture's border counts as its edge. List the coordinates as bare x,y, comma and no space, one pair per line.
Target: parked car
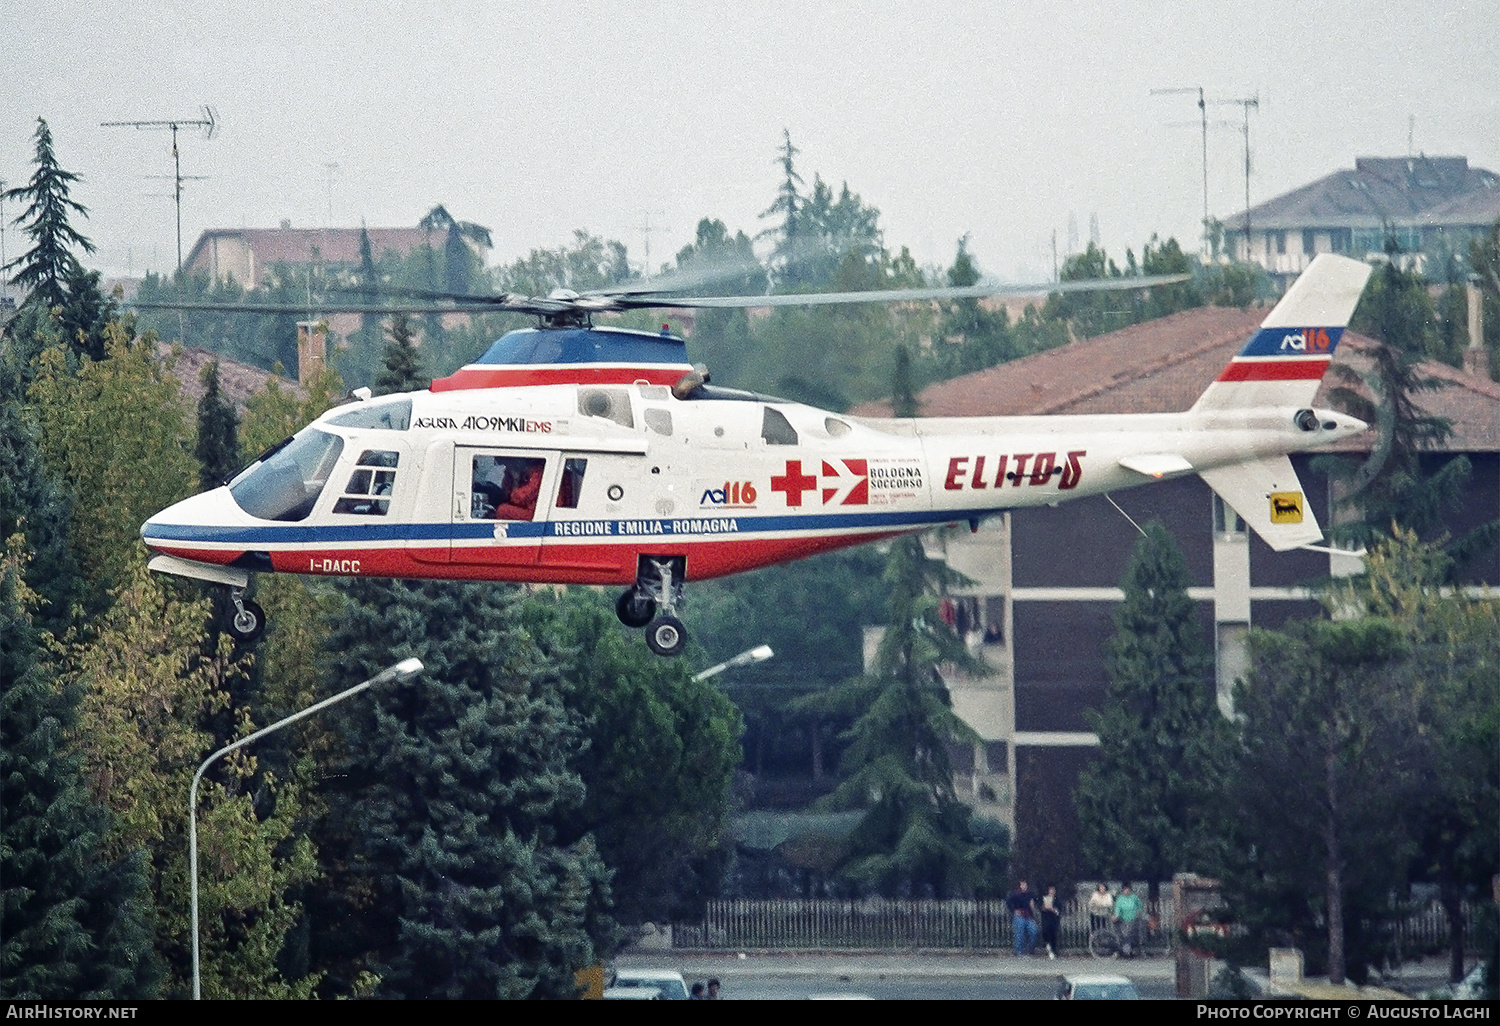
1095,988
627,983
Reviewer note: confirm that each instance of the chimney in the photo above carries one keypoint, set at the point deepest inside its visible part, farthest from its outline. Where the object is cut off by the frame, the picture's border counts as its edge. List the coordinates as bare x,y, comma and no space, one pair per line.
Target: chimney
312,348
1476,357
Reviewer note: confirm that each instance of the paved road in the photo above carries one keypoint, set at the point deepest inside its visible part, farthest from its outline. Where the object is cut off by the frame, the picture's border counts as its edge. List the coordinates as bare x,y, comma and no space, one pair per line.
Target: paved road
906,976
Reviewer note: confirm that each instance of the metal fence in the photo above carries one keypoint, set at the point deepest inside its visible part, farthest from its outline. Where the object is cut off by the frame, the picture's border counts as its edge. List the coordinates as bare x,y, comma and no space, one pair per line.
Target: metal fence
872,924
878,924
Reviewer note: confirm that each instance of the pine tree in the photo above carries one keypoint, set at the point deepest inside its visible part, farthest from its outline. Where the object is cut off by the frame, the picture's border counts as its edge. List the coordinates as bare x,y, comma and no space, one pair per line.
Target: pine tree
1148,805
916,838
444,827
31,503
218,447
402,362
47,265
75,922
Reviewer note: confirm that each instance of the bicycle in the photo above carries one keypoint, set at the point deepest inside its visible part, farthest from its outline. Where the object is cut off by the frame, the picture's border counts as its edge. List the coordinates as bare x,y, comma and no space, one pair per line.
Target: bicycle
1109,941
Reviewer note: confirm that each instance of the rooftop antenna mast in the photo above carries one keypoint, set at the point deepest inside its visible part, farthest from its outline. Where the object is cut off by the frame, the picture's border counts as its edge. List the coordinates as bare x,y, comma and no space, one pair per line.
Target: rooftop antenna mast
1203,115
206,121
1246,104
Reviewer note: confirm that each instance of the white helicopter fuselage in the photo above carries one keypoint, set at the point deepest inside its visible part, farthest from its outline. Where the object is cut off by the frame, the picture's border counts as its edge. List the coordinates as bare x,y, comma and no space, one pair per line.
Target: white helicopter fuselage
547,462
728,484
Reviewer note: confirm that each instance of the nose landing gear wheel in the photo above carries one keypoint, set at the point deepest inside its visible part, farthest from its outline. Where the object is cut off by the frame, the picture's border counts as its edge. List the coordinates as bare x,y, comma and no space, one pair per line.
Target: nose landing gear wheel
247,622
635,609
666,636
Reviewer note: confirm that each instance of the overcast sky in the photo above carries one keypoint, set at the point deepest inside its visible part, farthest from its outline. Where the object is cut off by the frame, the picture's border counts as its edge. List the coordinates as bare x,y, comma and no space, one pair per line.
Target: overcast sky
999,120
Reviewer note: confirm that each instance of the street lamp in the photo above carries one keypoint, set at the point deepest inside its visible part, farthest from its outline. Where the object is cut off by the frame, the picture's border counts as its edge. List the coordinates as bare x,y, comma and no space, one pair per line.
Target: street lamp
758,654
404,670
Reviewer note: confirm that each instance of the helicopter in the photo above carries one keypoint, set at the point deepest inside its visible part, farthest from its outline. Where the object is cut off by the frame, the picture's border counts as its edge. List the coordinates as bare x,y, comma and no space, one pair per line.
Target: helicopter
570,453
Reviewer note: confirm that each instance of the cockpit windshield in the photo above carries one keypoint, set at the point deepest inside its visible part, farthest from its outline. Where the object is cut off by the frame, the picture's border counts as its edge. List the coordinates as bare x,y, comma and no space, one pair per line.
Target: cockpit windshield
287,483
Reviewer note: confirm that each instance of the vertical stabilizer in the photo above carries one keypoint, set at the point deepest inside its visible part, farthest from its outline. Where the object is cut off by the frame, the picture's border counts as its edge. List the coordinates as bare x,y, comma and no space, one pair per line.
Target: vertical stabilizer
1284,361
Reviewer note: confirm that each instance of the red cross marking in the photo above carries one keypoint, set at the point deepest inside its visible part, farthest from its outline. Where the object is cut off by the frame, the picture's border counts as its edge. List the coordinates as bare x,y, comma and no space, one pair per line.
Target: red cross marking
793,483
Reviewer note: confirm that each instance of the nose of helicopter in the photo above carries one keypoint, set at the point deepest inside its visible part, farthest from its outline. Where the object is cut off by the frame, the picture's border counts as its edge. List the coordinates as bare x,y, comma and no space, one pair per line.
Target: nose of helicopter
197,518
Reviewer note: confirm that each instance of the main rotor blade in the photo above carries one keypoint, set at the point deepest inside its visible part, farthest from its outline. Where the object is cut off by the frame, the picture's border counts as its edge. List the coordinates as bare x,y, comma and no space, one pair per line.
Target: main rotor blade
912,295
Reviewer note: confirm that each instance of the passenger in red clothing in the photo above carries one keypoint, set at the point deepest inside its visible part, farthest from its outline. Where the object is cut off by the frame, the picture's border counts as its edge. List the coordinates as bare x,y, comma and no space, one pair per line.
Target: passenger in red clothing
522,502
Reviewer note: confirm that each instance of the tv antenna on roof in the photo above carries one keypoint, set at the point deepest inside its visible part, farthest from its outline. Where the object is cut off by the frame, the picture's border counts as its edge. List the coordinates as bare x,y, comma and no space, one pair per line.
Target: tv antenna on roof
1203,112
206,120
1246,104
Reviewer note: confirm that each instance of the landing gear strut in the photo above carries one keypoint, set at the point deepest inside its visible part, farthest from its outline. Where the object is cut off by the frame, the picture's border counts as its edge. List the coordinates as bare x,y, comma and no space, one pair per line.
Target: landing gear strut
246,621
658,585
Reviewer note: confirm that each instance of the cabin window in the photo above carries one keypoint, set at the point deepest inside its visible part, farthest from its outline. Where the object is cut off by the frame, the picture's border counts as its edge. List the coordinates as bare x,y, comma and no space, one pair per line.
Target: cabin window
659,420
368,491
775,428
505,487
285,484
571,485
382,416
609,403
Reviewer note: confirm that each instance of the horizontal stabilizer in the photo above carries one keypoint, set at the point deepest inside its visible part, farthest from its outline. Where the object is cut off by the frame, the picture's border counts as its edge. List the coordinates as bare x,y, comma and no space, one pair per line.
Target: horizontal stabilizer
1267,496
1157,464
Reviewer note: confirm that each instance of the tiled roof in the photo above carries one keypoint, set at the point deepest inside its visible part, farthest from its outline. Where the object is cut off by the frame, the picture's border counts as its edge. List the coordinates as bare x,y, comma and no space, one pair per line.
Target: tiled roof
333,245
1162,366
238,380
1439,191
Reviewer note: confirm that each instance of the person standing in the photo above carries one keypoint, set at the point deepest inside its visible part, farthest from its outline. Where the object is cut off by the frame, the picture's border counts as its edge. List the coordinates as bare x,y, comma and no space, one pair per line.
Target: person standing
1023,918
1101,908
1128,914
1051,919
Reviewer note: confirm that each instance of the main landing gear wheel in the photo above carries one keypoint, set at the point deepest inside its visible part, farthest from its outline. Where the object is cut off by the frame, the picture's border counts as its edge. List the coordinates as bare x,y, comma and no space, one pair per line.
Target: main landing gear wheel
666,636
246,622
635,609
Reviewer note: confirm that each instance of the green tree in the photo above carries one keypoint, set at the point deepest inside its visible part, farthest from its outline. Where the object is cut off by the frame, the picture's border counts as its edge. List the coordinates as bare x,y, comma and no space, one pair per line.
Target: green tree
46,267
34,505
1453,672
787,208
914,839
116,431
723,264
461,264
1397,482
149,690
74,921
218,446
659,761
448,878
402,370
1324,768
1149,805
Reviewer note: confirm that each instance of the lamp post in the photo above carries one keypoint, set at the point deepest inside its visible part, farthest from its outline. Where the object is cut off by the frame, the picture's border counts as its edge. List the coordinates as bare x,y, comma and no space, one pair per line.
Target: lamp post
758,654
404,670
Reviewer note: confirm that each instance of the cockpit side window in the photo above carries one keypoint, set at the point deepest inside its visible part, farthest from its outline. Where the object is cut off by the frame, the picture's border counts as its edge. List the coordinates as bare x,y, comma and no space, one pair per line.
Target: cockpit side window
391,415
775,428
286,485
370,486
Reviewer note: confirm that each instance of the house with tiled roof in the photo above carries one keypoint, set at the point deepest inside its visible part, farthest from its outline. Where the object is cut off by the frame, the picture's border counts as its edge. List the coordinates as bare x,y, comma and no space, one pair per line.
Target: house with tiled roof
246,255
1046,581
1430,205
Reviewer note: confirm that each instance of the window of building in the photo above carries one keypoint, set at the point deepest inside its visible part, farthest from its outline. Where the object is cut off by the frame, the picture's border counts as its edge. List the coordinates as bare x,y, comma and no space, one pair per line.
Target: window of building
1280,243
1226,520
1309,243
